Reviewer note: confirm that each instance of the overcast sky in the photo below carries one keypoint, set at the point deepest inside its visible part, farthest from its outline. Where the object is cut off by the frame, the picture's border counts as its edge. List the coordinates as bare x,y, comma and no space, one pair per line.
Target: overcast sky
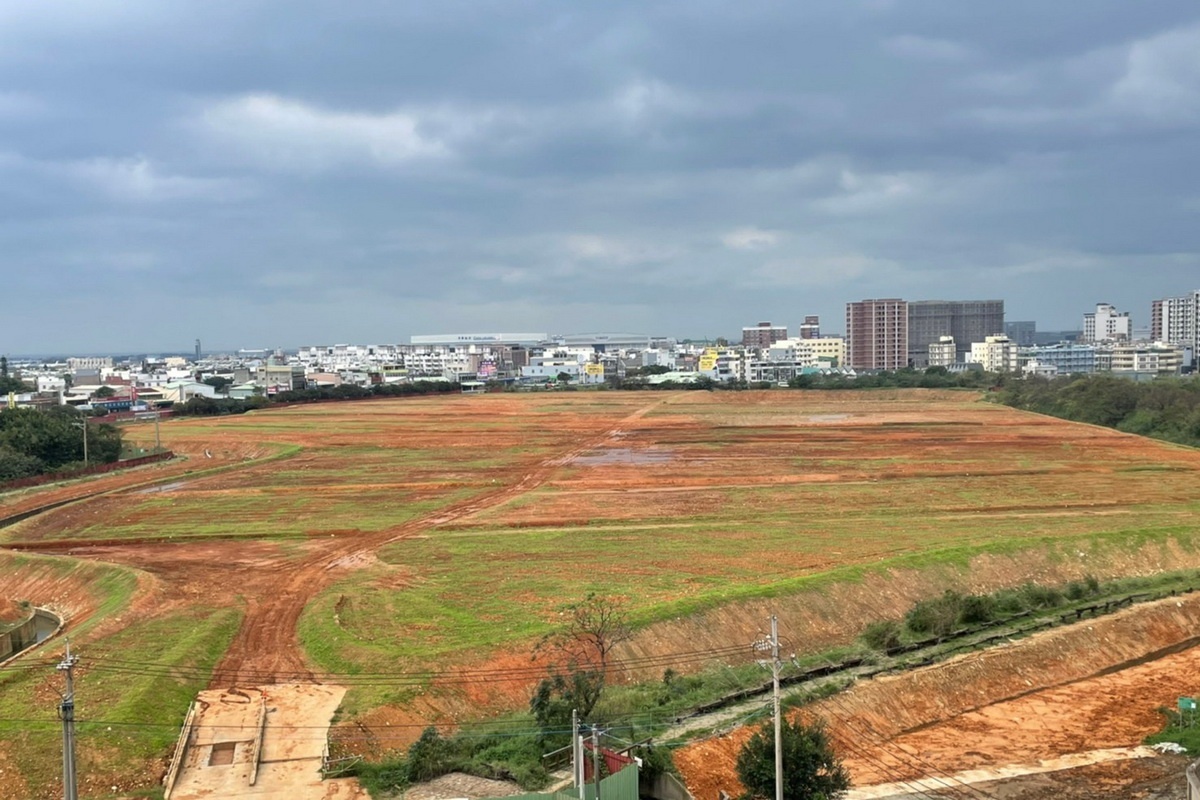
259,173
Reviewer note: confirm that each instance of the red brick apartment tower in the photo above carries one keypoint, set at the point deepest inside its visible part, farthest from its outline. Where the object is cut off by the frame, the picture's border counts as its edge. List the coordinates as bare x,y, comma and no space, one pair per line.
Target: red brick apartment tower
1157,331
877,334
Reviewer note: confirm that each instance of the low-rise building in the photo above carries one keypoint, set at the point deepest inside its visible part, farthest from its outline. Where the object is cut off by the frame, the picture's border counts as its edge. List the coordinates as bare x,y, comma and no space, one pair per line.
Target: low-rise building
829,351
763,335
1065,359
1157,358
943,352
182,391
995,354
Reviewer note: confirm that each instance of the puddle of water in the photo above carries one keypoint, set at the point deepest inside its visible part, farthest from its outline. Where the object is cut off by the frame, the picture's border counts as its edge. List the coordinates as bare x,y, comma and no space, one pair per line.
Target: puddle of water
622,455
166,487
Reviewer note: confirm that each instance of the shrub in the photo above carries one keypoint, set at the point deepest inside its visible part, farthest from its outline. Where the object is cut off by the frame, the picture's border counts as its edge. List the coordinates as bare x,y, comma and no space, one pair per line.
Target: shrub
937,616
15,465
977,608
429,756
1040,596
811,769
882,635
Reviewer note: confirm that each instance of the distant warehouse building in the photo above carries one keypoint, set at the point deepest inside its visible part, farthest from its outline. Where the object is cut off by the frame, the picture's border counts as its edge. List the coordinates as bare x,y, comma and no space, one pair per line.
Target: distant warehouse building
469,339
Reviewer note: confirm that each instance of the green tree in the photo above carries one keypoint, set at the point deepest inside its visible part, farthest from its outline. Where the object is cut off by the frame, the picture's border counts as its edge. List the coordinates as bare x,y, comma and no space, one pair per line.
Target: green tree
811,770
104,392
14,465
219,382
9,383
580,651
55,437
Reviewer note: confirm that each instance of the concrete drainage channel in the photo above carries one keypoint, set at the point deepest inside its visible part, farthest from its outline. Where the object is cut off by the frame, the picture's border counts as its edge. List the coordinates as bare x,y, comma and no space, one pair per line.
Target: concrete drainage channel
40,625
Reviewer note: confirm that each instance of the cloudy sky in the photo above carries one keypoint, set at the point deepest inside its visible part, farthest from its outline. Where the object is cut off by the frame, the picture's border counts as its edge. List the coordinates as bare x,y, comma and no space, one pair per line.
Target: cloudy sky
259,173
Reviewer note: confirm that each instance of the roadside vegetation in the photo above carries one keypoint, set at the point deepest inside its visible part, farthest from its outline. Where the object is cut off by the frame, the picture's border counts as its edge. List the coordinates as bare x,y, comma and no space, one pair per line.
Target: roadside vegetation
512,748
35,442
1166,408
212,407
1182,728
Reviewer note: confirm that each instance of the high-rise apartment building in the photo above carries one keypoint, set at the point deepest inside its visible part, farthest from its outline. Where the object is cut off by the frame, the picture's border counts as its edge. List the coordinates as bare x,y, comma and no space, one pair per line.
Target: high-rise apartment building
966,320
1023,332
763,335
1176,320
877,334
811,329
1106,324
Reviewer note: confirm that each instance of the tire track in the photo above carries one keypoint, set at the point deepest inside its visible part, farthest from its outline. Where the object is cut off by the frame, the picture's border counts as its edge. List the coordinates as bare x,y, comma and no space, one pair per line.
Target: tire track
267,649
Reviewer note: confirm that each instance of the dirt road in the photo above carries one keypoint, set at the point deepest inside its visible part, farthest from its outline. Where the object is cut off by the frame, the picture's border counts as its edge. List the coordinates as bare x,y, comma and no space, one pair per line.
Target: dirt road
267,649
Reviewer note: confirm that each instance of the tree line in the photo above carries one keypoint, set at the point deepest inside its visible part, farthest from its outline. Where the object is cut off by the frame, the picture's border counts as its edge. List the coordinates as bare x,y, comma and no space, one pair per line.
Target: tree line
35,442
7,382
199,406
1165,408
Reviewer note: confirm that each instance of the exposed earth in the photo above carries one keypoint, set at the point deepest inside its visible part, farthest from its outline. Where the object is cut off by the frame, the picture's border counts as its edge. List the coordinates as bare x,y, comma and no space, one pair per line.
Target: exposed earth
366,528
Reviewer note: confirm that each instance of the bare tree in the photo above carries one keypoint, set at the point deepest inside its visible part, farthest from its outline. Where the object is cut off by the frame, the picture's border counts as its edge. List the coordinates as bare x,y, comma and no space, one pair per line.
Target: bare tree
580,649
592,628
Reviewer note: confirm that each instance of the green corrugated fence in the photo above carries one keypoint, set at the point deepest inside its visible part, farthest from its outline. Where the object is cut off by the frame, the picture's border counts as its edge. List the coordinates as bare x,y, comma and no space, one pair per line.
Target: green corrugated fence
622,786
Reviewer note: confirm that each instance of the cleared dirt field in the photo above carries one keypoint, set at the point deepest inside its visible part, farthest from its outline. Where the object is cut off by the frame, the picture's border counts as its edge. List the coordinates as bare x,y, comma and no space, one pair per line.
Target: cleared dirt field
334,540
1087,688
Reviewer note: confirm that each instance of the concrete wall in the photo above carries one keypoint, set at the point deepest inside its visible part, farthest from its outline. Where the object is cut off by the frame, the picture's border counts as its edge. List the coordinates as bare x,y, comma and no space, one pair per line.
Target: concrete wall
36,628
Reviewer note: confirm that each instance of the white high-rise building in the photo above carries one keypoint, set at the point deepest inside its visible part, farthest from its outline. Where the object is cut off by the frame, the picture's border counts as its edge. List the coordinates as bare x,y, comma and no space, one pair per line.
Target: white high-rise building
1106,324
1176,320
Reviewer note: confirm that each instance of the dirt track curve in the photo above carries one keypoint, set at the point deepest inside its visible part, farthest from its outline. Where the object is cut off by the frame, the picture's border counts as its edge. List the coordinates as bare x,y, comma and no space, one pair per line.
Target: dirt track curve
267,649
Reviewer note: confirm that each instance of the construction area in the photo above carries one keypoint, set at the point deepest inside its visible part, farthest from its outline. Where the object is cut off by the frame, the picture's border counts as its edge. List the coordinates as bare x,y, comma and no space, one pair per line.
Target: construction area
288,550
258,742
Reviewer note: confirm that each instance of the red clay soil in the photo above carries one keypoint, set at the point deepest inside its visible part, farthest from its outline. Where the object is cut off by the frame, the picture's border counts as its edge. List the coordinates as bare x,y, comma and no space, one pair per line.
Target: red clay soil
990,709
190,459
266,648
276,586
267,644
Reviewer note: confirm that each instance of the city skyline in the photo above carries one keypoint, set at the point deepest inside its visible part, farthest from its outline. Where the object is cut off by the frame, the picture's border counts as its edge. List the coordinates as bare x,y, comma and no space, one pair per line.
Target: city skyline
269,174
834,325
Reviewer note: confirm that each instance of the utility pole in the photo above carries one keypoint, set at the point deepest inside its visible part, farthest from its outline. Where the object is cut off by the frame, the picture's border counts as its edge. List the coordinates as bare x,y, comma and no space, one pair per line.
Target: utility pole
577,754
771,644
83,426
596,760
157,440
67,713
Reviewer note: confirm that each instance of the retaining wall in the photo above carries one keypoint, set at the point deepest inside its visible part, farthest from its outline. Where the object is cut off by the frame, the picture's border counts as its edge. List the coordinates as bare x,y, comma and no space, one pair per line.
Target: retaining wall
25,634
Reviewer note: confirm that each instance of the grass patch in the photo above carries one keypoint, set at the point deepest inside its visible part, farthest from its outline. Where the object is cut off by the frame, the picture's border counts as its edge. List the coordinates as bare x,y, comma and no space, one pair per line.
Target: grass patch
128,716
1182,728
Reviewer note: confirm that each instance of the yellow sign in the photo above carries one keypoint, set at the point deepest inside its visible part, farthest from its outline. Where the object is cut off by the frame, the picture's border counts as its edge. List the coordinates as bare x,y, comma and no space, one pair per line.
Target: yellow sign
594,370
708,362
